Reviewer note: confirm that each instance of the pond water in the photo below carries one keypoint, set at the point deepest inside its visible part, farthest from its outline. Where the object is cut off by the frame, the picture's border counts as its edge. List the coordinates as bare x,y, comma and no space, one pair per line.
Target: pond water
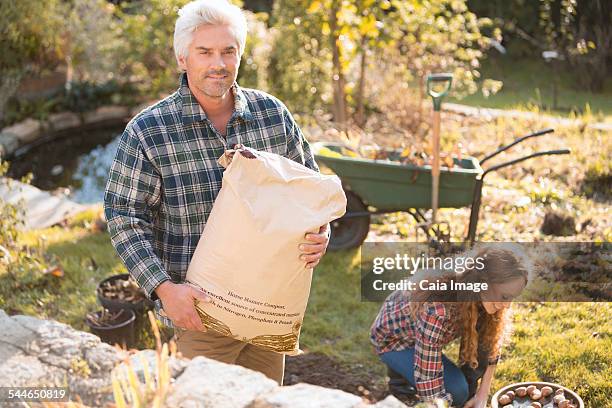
79,162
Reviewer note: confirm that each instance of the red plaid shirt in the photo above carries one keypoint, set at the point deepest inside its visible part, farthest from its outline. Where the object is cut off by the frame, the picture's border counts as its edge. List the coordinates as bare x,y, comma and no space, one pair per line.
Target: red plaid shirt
436,325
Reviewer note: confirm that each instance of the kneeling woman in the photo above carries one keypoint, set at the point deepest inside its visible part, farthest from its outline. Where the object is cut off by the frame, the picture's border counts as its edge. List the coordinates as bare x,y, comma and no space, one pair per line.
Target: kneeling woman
412,327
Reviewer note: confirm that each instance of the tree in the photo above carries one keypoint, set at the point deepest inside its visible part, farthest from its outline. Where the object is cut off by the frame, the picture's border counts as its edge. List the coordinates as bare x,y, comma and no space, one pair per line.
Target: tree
319,40
31,42
441,35
299,68
420,35
144,33
371,36
89,41
579,30
582,34
338,80
353,28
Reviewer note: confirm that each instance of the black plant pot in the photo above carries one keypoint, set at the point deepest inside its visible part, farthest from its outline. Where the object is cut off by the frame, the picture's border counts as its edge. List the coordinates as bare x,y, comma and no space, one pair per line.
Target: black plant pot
116,304
120,331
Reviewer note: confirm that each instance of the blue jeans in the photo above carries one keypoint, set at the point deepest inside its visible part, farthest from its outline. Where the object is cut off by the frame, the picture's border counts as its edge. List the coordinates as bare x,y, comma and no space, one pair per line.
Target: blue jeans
455,380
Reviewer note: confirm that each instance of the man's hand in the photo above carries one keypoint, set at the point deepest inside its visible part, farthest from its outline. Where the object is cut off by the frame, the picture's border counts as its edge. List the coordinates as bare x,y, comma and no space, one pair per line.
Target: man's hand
178,303
313,251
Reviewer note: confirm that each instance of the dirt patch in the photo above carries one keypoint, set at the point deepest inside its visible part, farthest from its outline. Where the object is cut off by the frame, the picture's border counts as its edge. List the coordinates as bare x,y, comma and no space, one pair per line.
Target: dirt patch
558,224
319,369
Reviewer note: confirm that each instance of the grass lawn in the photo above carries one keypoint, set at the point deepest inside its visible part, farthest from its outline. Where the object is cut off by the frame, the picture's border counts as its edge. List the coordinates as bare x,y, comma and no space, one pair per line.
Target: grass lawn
85,255
527,83
568,343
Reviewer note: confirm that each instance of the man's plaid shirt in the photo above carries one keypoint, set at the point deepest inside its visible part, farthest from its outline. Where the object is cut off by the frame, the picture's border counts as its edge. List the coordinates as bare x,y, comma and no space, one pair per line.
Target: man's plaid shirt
436,325
165,177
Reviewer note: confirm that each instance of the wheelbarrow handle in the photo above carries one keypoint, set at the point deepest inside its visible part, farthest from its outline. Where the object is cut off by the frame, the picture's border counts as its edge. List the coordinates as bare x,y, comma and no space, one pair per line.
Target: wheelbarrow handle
437,96
521,159
517,141
475,211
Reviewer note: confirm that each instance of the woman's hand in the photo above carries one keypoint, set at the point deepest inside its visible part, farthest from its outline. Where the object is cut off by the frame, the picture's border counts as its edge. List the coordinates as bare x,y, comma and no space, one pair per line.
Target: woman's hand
482,395
478,401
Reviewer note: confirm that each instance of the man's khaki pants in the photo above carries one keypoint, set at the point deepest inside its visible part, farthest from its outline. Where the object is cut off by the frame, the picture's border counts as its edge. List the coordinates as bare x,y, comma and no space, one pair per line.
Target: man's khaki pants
227,350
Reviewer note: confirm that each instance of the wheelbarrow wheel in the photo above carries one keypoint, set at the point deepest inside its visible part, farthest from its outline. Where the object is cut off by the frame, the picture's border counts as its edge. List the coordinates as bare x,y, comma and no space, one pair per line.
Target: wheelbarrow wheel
350,232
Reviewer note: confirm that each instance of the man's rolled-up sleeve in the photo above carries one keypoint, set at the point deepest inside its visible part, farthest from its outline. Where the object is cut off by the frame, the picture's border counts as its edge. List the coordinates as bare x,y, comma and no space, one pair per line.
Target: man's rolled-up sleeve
132,191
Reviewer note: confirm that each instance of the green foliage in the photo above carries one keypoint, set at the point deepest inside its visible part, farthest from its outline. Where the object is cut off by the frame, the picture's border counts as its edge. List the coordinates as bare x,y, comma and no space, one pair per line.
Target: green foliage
598,178
543,347
90,41
11,217
22,266
527,82
579,30
31,42
252,72
442,35
17,110
80,97
31,34
85,96
82,252
300,62
416,36
145,30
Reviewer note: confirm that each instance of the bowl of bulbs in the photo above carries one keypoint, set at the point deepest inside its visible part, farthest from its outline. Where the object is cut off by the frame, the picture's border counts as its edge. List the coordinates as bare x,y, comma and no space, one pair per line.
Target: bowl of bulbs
536,395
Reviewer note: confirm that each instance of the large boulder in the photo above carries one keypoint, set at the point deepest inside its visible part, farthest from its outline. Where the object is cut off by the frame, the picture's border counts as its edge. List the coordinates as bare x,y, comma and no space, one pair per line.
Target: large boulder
37,353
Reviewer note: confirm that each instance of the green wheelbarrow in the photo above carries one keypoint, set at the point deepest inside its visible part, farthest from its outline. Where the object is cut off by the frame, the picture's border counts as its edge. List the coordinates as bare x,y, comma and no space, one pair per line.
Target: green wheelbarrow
385,186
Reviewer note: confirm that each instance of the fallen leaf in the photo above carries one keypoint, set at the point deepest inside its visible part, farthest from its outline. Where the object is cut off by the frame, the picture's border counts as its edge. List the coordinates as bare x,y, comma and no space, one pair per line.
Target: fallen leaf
55,270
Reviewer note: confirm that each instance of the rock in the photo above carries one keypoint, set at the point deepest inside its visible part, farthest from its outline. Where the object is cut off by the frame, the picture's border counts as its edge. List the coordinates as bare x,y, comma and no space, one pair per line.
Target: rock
106,113
307,396
102,358
26,131
61,345
389,402
28,371
94,392
29,322
8,144
35,352
14,334
7,351
558,224
209,383
63,121
42,209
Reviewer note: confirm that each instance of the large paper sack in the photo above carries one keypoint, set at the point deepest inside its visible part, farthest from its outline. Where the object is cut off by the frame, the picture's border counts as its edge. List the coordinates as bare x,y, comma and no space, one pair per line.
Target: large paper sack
247,258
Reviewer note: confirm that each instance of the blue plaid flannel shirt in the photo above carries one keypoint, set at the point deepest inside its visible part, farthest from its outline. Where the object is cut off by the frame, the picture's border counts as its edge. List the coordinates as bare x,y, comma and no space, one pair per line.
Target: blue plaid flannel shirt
165,177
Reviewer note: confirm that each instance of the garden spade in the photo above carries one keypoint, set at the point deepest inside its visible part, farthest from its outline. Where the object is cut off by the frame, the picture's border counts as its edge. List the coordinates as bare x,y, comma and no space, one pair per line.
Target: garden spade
438,86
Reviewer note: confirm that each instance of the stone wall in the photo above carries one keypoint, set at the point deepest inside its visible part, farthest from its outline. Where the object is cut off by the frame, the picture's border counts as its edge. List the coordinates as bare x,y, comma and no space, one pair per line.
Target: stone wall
35,352
31,130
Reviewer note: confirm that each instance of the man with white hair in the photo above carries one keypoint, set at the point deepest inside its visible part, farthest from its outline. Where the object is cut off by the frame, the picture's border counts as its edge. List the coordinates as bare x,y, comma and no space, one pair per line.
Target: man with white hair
165,176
